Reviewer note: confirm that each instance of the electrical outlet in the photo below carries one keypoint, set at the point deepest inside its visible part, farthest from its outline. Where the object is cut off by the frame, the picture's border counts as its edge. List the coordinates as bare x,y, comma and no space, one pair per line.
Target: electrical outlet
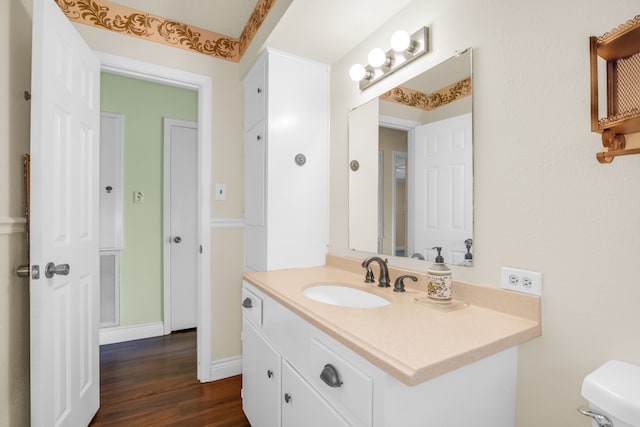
529,282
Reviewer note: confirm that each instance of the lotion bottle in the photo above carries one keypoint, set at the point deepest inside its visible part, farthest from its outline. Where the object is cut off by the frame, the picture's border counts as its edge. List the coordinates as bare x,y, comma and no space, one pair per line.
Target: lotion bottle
439,280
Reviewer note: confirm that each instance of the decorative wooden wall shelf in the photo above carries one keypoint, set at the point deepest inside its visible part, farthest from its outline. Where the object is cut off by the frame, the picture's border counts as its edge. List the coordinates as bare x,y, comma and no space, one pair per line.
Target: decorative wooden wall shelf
620,48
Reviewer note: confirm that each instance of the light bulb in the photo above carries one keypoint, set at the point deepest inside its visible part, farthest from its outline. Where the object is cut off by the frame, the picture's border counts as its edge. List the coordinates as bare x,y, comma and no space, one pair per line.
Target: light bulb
400,41
377,57
357,72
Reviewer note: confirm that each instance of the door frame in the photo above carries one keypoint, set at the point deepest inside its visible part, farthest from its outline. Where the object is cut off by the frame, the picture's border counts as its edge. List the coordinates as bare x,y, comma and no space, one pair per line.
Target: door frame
204,86
408,126
167,122
394,195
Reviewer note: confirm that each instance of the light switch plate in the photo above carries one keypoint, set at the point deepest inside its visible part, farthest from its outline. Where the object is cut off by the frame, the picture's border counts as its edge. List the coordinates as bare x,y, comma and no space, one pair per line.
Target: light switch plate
221,191
138,197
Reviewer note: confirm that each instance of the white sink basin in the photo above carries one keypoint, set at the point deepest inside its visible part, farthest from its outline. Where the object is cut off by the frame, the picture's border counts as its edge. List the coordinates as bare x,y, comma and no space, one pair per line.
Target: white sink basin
336,294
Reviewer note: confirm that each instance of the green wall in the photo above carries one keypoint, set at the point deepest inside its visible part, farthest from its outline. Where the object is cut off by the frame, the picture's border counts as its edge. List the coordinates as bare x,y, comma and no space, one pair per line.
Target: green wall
143,105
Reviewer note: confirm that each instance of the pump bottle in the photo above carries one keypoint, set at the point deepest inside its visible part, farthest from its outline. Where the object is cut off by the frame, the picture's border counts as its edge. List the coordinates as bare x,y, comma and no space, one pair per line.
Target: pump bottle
439,279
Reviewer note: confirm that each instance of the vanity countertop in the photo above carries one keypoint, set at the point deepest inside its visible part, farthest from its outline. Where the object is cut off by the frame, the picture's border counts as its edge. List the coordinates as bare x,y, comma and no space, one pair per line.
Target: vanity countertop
411,341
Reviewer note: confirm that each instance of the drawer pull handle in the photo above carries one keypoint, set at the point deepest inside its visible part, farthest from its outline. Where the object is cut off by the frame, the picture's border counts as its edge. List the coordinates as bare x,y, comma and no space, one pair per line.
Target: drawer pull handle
330,376
247,303
269,373
287,397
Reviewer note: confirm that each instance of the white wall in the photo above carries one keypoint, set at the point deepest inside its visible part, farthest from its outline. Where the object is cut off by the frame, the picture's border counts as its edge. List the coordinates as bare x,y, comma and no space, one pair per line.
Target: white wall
542,202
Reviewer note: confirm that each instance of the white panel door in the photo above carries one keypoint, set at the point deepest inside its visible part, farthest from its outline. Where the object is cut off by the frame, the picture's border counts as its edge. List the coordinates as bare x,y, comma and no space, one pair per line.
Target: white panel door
64,311
442,184
183,221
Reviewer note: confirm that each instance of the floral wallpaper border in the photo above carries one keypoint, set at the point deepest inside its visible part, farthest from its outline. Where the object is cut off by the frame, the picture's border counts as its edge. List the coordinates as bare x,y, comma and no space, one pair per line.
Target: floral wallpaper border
114,17
429,101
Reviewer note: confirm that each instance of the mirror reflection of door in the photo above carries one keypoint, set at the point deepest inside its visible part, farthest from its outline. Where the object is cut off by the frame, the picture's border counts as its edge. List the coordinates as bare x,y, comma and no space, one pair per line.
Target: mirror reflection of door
443,187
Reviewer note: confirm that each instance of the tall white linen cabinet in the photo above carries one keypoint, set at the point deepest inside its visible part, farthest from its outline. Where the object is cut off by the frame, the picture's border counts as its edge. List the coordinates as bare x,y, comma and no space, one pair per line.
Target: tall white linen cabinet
286,155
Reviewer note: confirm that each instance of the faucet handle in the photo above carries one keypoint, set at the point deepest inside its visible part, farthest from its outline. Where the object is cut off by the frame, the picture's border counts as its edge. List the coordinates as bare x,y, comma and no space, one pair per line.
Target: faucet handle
398,286
369,278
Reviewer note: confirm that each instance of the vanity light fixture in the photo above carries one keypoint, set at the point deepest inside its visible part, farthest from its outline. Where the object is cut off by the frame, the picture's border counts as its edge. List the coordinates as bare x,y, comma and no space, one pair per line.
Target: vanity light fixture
404,49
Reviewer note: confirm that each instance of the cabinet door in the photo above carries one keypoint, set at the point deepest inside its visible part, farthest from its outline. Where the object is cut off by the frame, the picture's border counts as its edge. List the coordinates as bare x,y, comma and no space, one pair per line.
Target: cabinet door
302,406
255,95
260,379
255,163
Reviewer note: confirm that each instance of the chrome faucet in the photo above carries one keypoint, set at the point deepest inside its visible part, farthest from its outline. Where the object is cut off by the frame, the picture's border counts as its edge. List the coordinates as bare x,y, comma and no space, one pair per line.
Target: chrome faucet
384,281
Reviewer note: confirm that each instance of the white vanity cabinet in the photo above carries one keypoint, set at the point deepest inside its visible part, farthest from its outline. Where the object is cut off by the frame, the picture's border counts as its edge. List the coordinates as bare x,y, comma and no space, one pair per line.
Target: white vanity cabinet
273,393
286,143
284,357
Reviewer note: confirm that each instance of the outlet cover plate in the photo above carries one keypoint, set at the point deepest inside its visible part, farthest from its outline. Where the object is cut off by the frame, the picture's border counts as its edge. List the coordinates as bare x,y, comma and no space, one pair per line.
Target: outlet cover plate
515,279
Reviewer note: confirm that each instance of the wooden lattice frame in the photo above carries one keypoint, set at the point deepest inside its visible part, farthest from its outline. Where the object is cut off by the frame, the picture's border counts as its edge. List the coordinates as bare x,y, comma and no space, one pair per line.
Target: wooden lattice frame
616,47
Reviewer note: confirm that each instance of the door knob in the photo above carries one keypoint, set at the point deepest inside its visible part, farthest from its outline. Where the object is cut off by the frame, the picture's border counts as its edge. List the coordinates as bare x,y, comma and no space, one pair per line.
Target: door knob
51,269
177,239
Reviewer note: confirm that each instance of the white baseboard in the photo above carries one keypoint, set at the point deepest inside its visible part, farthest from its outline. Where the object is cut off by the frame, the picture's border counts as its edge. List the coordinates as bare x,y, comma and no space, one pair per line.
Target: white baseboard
226,368
130,333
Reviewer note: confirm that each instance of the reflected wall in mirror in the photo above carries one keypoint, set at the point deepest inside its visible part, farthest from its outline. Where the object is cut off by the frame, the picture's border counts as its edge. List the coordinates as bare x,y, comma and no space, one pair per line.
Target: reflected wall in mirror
413,189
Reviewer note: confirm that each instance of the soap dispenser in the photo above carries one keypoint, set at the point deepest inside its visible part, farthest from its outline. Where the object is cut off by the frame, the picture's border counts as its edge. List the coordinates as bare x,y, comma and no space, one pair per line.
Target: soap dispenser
439,279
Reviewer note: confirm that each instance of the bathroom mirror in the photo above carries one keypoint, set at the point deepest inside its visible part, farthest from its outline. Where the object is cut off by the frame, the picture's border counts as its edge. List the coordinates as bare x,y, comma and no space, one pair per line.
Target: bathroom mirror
411,167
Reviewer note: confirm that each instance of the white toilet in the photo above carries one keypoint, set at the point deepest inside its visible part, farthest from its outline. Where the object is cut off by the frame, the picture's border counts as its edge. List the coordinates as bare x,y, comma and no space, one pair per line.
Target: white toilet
613,392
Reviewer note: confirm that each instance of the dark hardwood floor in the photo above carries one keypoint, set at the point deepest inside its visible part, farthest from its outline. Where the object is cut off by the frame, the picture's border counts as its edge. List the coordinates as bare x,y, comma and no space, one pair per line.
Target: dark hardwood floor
152,382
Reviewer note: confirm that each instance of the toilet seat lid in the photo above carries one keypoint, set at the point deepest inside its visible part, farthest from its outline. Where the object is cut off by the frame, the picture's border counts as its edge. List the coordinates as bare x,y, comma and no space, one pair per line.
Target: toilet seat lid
615,388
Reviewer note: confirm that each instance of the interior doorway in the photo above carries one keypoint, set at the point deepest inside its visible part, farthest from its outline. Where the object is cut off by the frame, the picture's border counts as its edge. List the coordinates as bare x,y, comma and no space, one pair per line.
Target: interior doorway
203,86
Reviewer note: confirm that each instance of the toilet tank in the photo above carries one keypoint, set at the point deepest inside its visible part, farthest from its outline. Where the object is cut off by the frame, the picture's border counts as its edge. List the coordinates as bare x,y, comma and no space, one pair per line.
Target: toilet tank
613,390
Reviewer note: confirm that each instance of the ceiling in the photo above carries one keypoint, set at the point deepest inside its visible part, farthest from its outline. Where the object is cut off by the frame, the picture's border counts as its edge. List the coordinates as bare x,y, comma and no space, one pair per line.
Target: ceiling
324,30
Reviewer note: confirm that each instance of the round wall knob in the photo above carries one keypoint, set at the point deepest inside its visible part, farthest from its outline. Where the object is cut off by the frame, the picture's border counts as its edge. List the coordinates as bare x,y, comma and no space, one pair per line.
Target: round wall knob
177,239
300,159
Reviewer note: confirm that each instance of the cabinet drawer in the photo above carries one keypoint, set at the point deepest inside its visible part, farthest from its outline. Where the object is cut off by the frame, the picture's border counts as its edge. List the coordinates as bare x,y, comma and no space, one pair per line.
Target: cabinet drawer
251,307
354,396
